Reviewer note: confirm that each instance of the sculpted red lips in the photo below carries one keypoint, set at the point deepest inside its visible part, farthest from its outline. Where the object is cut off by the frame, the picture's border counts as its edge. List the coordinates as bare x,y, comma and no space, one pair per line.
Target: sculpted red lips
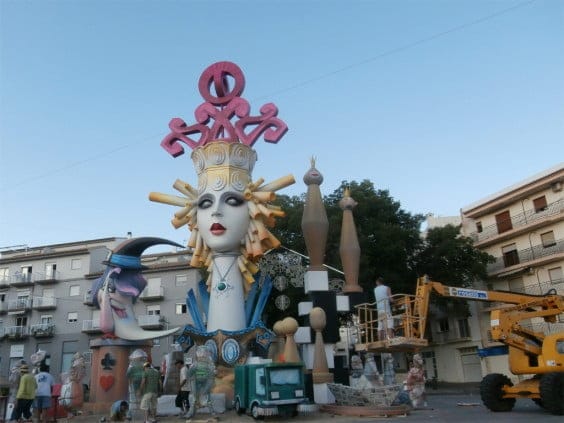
217,229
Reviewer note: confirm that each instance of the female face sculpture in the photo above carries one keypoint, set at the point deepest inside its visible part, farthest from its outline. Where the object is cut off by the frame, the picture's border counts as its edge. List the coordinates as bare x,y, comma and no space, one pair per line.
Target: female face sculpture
223,219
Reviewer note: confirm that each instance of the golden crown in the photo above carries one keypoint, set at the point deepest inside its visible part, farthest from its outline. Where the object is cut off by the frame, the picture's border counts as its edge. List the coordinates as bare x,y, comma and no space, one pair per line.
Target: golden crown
221,163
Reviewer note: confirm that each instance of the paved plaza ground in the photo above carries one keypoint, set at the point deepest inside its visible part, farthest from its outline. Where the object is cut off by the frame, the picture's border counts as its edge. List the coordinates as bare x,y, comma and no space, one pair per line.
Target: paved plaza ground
449,403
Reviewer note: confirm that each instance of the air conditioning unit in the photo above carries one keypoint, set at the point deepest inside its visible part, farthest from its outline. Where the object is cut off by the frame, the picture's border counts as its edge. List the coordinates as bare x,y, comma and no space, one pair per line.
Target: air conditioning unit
557,186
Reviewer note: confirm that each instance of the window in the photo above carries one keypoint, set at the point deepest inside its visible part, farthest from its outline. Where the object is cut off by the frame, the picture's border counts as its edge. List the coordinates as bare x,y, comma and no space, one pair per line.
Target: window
69,350
548,239
23,299
181,280
21,321
25,275
540,204
74,290
153,287
50,270
154,310
443,325
503,221
510,255
48,318
463,328
76,264
4,274
72,317
517,285
555,275
180,308
479,227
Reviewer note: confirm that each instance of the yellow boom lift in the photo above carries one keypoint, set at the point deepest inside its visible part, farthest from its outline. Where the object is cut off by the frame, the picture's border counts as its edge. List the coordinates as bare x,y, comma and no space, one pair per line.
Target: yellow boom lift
530,352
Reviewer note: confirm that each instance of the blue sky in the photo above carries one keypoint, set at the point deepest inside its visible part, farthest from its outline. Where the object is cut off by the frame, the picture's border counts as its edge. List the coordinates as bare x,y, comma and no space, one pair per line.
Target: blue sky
440,102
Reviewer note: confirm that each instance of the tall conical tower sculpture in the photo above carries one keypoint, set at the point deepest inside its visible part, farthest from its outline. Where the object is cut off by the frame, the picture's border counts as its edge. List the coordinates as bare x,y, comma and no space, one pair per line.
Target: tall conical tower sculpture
315,226
349,248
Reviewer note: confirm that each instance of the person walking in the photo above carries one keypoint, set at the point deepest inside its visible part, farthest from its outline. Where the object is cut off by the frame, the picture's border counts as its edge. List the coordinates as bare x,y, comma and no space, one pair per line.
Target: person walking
25,395
184,387
383,295
151,385
42,402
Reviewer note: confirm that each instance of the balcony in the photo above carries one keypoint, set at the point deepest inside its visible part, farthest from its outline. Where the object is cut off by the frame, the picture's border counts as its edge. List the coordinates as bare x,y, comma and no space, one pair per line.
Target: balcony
17,332
44,303
21,280
43,330
528,220
522,259
91,326
151,321
152,294
20,305
48,278
88,298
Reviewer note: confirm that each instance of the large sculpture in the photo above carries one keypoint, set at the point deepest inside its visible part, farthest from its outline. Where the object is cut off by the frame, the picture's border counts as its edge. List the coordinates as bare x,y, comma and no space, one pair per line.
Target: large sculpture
228,214
120,286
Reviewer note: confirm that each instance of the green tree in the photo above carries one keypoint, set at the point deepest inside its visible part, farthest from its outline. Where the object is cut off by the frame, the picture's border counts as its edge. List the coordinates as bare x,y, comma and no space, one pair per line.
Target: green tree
388,235
450,258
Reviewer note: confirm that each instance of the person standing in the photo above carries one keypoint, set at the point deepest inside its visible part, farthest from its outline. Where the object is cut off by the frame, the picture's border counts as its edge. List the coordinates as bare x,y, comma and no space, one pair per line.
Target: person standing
184,387
43,392
151,385
383,295
25,395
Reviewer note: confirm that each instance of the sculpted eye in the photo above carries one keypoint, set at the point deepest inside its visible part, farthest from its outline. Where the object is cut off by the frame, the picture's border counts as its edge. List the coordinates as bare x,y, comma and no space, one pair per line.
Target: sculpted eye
205,202
234,200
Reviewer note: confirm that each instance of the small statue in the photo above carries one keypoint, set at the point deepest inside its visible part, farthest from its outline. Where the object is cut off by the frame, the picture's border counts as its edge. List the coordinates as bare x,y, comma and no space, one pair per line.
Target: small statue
72,391
371,371
202,378
14,380
416,382
358,380
388,366
134,375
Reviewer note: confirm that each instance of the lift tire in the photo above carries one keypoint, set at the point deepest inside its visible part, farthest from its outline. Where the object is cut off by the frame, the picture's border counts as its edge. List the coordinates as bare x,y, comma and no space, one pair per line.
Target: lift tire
238,409
552,392
491,392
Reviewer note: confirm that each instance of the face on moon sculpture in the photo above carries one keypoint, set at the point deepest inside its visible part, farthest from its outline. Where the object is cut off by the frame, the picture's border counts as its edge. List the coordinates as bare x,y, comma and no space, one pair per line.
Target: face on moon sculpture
223,219
120,286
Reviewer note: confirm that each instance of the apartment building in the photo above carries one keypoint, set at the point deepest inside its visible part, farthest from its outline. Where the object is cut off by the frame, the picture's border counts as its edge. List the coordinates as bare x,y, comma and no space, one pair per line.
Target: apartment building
522,226
46,303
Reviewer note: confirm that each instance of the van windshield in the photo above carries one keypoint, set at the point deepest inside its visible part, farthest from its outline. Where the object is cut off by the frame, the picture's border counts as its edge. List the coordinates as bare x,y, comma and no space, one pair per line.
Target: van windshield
285,376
